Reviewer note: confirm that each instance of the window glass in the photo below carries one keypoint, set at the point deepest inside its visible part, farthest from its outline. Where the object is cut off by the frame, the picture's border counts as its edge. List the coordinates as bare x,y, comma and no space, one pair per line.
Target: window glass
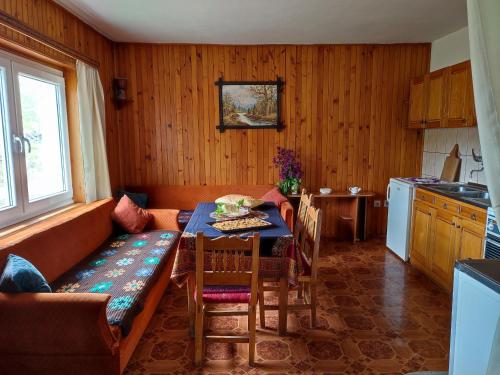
42,139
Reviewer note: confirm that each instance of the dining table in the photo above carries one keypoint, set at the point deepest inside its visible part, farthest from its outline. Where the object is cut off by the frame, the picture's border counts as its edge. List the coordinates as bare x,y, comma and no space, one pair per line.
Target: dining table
277,261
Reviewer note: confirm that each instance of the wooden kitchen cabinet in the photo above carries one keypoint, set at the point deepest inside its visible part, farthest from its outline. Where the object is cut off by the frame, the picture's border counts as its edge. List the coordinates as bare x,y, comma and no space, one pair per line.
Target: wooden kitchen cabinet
442,249
471,242
417,103
444,230
459,96
443,98
434,109
421,234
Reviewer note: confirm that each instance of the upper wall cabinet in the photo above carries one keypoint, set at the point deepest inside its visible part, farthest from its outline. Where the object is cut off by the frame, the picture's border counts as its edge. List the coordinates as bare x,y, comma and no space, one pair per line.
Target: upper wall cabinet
443,98
417,102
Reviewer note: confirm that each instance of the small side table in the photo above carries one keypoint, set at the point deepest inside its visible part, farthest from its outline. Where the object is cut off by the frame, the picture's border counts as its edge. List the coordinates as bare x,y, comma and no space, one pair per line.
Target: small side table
355,217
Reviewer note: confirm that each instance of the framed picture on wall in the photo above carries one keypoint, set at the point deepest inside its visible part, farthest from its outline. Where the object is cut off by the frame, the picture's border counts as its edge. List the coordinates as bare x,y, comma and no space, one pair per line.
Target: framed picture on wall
249,104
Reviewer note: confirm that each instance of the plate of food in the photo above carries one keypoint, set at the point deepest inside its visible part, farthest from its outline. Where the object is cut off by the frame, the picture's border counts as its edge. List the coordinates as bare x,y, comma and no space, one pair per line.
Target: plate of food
241,224
226,211
238,199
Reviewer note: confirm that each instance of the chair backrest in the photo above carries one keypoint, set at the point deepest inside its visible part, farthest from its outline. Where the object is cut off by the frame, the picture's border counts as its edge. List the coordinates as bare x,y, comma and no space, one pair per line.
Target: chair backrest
227,261
306,201
309,245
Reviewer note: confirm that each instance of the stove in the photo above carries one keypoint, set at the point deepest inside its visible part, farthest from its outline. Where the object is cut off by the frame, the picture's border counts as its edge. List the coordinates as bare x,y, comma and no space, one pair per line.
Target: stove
492,243
422,180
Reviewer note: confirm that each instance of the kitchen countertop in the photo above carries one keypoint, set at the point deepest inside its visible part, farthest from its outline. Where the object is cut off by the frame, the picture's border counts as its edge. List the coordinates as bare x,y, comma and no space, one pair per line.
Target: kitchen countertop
454,195
486,271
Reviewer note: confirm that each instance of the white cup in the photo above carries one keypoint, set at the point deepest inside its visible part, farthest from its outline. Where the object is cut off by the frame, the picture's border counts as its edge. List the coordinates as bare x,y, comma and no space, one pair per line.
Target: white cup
354,189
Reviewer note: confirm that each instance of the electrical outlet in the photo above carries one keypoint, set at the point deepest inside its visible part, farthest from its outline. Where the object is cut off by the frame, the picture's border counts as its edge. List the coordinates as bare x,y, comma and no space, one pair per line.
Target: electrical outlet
386,203
376,203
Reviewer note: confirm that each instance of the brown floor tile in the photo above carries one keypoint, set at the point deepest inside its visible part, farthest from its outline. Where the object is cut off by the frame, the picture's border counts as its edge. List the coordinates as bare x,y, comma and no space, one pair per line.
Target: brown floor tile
377,315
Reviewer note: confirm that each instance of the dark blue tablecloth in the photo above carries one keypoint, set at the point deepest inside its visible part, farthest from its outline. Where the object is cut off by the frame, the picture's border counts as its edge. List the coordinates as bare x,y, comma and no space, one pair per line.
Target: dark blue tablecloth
277,253
201,216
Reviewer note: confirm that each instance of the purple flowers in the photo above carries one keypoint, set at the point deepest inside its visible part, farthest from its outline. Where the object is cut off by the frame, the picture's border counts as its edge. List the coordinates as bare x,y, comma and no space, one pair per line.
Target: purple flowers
290,170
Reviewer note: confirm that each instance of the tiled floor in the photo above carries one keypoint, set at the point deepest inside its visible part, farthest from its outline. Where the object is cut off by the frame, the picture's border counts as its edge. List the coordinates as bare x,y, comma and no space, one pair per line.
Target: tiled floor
377,316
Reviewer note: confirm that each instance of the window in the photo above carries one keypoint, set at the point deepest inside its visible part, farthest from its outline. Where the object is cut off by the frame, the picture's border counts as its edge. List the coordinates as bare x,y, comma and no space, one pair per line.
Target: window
34,152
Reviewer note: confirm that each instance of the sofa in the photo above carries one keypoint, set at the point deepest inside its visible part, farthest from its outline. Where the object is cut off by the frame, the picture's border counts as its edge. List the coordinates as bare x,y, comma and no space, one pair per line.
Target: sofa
70,333
185,197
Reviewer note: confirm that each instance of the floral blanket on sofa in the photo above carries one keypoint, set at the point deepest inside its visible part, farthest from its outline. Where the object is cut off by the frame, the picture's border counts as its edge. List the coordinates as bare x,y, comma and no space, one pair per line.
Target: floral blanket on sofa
125,267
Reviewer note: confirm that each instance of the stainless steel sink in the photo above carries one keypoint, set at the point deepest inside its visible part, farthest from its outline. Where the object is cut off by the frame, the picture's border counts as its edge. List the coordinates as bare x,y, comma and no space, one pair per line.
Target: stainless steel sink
476,195
455,188
463,192
482,201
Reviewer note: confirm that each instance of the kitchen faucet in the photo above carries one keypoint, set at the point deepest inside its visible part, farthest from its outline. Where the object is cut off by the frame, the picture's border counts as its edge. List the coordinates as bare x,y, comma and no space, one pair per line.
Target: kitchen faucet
478,159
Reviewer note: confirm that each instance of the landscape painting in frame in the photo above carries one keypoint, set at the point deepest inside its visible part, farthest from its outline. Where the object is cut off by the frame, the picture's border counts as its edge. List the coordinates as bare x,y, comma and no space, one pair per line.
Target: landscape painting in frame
249,105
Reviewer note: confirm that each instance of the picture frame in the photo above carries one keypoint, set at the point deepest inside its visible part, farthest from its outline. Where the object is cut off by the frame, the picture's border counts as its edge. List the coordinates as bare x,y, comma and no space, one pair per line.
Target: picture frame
250,104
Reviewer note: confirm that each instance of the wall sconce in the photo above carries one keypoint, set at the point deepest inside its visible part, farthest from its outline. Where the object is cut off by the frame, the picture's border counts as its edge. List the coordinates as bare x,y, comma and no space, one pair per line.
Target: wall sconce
120,92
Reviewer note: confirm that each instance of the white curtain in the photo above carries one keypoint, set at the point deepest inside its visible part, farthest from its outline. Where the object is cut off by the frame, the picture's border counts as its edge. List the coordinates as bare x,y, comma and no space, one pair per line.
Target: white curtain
92,133
484,38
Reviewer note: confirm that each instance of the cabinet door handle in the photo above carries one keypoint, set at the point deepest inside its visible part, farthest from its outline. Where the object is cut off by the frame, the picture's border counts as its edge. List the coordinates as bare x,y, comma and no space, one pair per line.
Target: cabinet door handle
457,226
445,205
473,217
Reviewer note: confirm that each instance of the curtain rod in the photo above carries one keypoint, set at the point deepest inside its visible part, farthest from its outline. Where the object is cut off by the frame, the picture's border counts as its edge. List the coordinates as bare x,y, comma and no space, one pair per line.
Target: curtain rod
22,28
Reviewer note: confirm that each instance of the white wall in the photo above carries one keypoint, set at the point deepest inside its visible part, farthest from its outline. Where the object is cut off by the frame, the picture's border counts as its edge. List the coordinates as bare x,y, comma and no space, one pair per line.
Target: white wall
449,50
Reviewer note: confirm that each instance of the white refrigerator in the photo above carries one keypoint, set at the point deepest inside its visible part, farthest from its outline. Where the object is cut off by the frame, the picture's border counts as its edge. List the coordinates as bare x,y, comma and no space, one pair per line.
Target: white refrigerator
400,199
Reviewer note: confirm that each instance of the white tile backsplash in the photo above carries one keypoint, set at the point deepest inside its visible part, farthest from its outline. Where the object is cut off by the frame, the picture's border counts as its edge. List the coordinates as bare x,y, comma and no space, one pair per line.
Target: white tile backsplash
474,141
450,140
438,143
438,164
428,167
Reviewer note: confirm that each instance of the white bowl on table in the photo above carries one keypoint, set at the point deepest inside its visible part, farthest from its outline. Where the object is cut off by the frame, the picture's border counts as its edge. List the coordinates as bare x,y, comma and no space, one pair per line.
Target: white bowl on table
325,191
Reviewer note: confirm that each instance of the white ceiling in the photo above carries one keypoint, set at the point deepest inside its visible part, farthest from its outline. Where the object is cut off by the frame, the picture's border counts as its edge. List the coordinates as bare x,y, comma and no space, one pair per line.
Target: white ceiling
271,21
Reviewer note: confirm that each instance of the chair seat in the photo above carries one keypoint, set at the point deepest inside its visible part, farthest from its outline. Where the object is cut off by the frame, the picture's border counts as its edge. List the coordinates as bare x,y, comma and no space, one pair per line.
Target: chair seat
226,294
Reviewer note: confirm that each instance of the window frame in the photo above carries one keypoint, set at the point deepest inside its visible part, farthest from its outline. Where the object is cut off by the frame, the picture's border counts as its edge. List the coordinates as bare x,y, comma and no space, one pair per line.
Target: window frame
11,106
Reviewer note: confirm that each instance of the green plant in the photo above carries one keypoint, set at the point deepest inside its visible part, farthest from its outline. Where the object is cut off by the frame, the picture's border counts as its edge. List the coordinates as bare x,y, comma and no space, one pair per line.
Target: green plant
290,170
220,208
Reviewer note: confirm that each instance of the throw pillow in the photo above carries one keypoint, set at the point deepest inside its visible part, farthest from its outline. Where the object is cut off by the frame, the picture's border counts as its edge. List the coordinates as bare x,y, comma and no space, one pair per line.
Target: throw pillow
19,276
140,199
274,195
233,199
130,216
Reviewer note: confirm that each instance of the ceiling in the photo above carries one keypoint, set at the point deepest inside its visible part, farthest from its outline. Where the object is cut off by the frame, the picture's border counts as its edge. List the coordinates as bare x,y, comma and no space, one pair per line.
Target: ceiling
271,21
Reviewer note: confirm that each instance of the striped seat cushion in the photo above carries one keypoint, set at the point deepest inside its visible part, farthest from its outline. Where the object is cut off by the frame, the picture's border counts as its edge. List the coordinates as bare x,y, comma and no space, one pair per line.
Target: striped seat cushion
226,294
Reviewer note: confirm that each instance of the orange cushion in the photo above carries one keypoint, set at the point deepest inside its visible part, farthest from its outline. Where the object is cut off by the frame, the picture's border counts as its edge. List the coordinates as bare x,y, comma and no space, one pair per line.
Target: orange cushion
130,216
274,195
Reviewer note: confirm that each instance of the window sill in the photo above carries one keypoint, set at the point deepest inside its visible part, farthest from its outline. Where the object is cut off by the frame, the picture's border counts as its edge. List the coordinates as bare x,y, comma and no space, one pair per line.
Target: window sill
29,224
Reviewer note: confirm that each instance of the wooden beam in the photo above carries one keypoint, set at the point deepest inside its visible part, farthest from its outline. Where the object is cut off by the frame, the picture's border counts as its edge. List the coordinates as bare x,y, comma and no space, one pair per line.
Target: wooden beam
22,28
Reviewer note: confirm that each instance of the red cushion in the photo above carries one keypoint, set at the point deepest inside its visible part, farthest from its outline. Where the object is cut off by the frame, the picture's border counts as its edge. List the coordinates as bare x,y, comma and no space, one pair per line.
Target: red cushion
226,294
274,195
129,216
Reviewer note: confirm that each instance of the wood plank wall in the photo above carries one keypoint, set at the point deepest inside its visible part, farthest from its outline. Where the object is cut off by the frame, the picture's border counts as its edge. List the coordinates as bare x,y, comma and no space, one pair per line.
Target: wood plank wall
344,108
60,25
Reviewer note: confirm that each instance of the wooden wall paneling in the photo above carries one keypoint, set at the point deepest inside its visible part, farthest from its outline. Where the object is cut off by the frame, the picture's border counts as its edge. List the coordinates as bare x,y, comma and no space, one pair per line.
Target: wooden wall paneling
343,106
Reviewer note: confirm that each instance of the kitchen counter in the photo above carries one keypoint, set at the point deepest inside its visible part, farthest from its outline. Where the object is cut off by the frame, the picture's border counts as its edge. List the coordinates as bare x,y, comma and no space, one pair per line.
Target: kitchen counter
486,271
467,193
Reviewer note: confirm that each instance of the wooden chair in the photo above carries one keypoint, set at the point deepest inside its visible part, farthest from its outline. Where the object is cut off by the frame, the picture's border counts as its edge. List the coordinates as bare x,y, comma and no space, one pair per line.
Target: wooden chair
308,254
306,201
224,276
308,251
